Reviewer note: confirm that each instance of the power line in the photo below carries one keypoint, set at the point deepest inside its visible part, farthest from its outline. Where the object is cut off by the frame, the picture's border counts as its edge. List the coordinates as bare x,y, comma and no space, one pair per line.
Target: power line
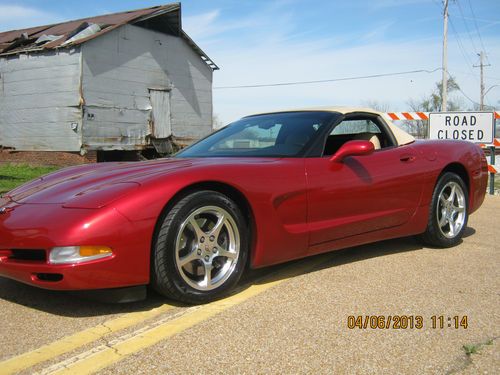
344,79
462,50
461,47
328,80
473,74
444,79
482,20
466,26
463,93
467,96
477,28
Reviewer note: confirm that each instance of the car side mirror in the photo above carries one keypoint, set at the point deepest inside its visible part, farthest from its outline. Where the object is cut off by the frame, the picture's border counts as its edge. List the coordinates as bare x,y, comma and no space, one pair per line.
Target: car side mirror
352,148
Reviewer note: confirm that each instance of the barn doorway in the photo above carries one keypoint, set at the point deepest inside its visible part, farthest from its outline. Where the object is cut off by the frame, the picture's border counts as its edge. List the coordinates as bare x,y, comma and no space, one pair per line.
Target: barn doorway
160,121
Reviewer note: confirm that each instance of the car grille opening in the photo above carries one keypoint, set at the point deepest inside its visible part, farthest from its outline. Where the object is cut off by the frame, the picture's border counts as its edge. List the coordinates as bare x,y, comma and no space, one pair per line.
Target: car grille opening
52,277
29,254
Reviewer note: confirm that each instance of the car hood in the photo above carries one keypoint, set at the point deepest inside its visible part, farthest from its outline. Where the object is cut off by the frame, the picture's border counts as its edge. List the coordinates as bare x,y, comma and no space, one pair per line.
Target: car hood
93,182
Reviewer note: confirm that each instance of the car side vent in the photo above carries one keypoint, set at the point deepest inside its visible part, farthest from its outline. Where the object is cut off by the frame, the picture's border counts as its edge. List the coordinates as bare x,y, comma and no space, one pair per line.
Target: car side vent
29,254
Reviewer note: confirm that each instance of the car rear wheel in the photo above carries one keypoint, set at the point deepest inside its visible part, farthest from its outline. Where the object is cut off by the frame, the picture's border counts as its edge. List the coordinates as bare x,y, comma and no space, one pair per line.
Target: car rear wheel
448,212
200,249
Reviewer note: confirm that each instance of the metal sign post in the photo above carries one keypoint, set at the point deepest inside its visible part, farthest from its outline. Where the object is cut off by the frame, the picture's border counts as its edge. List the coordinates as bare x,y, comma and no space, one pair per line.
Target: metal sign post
492,175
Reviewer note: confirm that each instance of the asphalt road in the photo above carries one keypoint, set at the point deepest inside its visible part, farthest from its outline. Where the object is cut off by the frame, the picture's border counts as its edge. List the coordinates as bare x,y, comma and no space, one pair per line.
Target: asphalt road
287,319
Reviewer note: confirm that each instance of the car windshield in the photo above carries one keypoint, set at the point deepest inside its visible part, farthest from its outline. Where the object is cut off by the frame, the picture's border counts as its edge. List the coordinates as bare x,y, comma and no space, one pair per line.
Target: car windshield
286,134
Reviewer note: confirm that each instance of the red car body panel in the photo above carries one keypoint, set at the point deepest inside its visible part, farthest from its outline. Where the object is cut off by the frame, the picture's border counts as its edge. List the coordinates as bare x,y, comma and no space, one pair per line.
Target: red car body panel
298,206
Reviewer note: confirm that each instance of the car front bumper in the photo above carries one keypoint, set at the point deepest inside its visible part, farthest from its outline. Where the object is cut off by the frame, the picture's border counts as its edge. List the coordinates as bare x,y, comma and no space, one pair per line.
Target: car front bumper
29,231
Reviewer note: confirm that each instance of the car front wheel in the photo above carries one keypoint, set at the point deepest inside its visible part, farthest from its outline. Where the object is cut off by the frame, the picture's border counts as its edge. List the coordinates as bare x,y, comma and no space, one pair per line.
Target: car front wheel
201,248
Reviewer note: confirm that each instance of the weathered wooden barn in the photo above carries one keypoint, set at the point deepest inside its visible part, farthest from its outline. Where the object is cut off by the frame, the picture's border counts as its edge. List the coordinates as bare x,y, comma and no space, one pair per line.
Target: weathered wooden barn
124,81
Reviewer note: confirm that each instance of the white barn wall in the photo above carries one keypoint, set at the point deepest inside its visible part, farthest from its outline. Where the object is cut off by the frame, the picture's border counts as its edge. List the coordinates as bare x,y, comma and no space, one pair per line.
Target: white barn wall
119,68
40,101
191,95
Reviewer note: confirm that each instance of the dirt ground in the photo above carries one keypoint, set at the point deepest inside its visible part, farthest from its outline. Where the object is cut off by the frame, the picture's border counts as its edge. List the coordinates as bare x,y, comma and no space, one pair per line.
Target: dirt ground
41,158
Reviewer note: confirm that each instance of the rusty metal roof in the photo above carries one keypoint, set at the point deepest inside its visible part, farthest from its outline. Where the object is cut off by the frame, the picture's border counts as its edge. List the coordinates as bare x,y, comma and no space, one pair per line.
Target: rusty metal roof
164,18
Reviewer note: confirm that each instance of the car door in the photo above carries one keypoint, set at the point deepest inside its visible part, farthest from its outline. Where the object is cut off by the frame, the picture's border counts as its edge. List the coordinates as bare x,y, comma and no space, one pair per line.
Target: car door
361,194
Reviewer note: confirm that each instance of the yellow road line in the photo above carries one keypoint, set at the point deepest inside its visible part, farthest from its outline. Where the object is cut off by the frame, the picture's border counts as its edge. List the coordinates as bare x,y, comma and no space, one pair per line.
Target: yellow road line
93,360
77,340
83,355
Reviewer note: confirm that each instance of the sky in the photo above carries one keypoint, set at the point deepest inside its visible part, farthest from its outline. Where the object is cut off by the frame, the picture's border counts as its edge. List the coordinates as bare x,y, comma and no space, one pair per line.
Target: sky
265,42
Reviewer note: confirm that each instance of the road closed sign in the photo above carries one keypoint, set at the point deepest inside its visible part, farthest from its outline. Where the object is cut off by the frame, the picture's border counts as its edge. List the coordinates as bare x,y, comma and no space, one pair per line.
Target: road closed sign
477,127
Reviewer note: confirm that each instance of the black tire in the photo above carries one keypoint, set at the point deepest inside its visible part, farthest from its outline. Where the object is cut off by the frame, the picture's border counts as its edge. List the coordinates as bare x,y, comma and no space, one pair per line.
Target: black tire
442,235
178,237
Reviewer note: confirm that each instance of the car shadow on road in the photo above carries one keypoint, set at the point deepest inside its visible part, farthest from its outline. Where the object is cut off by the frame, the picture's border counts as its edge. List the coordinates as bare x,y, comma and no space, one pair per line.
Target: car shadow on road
70,305
340,257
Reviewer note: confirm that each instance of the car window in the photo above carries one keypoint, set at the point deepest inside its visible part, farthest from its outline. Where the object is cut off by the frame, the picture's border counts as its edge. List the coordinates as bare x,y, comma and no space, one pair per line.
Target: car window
254,136
355,127
365,129
286,134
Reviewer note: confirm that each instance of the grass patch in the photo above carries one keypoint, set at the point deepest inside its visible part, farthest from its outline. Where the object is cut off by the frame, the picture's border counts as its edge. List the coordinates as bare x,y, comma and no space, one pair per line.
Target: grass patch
13,175
475,348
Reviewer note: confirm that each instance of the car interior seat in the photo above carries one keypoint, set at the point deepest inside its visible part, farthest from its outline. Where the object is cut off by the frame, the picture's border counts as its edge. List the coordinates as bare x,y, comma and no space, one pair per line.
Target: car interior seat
371,137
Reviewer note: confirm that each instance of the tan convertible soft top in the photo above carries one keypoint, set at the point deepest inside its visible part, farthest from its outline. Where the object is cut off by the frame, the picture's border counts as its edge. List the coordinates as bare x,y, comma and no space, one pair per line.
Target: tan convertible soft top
401,136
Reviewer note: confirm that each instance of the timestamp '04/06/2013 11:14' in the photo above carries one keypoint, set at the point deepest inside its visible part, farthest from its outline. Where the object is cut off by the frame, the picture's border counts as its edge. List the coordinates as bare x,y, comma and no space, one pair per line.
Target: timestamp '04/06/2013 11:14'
406,322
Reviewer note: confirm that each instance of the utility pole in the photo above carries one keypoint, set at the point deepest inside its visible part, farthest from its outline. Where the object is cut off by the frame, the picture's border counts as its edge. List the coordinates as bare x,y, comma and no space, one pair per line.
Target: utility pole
481,108
444,81
482,93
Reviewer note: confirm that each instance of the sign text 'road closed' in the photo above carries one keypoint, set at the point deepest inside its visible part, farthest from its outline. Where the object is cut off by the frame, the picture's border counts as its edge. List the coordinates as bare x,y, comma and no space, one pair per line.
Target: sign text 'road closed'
477,127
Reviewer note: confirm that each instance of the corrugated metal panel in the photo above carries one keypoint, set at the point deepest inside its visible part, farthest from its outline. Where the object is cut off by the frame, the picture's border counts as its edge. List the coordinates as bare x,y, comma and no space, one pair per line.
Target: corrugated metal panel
191,95
39,103
114,128
121,67
118,108
160,101
27,62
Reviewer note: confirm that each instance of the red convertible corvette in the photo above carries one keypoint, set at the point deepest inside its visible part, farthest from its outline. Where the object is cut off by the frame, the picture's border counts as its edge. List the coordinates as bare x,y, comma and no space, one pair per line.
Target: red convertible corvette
266,189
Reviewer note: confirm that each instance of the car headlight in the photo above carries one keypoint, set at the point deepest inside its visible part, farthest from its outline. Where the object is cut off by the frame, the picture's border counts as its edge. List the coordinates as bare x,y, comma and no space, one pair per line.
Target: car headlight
78,254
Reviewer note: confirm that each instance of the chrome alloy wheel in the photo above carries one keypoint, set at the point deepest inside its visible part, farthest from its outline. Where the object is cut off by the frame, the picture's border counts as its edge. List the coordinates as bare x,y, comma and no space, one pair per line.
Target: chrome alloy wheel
207,248
450,211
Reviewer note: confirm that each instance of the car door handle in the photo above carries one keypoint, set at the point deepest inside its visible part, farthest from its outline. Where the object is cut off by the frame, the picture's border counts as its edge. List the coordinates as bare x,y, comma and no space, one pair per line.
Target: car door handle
407,158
